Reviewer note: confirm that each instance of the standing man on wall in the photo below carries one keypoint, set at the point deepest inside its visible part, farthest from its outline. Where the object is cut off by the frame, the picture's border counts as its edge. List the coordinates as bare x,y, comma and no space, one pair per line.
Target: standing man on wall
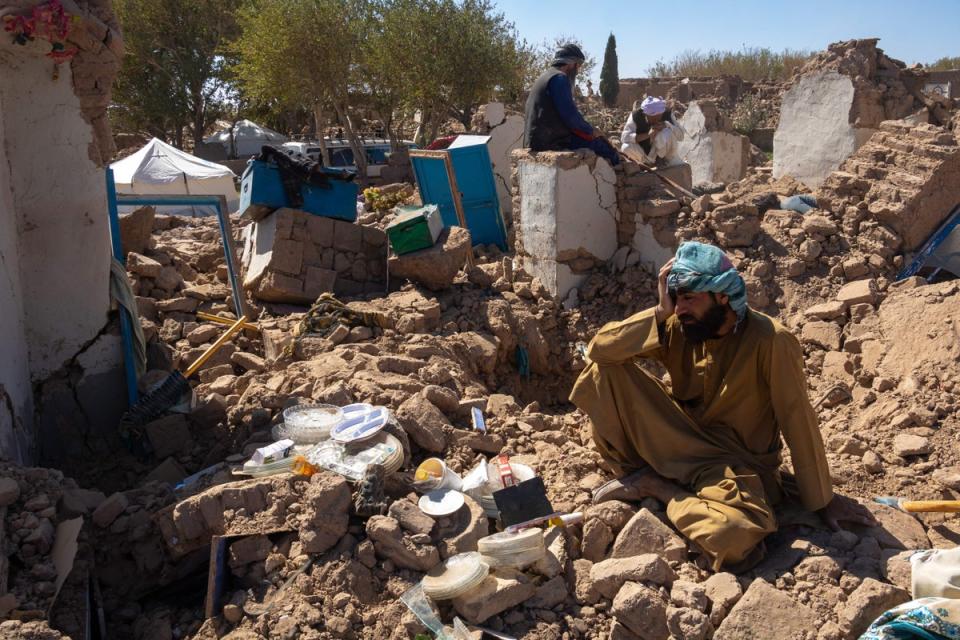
553,121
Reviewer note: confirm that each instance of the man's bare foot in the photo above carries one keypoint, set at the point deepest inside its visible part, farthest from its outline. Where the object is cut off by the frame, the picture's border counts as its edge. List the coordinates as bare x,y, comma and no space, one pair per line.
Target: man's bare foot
636,486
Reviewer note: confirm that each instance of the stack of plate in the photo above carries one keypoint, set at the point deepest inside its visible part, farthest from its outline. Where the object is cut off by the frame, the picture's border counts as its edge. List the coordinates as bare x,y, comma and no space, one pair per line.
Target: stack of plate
515,550
521,472
459,574
309,423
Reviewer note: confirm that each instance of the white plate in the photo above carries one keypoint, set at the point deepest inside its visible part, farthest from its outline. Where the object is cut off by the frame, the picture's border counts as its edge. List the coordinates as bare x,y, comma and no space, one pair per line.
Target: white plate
442,502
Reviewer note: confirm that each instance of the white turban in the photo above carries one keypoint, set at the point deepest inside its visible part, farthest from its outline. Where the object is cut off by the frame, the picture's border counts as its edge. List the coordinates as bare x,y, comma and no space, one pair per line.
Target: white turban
653,106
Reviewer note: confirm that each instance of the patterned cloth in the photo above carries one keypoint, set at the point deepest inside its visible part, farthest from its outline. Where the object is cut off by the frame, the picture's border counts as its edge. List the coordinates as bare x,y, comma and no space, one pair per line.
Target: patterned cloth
326,313
923,619
703,267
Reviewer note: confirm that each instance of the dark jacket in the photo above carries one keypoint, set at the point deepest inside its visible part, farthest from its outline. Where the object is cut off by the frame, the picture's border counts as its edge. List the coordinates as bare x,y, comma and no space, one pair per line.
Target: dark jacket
552,117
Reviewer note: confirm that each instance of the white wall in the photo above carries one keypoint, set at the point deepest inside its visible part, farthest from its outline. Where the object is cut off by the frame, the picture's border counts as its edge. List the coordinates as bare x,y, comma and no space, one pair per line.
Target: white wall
59,199
16,401
563,211
713,156
54,241
814,135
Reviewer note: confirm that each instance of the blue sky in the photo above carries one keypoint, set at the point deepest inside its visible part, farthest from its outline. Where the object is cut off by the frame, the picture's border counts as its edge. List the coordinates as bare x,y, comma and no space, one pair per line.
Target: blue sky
912,31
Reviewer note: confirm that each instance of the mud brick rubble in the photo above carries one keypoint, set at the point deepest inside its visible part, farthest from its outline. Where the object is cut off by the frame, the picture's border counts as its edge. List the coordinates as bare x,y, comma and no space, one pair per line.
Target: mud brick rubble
887,387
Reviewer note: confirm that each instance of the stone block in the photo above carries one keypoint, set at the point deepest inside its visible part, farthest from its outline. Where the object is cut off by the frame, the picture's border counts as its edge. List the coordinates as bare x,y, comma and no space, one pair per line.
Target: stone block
858,292
642,610
609,575
437,266
169,435
867,602
347,236
109,510
318,281
822,334
135,229
645,533
497,593
320,230
766,612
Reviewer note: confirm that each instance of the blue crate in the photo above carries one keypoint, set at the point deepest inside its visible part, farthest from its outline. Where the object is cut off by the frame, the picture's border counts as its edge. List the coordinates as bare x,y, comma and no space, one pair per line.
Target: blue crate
261,192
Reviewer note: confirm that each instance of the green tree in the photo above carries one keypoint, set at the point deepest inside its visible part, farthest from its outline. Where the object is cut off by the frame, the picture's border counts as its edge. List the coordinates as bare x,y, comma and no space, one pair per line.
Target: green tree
945,63
548,49
609,74
442,58
173,74
303,54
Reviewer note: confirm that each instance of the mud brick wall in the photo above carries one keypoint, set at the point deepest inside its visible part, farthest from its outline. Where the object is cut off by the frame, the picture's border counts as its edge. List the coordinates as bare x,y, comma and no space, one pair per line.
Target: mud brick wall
293,256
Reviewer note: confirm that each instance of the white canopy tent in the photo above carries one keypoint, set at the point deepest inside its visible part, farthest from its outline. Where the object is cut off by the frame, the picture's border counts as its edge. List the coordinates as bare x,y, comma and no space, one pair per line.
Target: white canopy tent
160,169
248,137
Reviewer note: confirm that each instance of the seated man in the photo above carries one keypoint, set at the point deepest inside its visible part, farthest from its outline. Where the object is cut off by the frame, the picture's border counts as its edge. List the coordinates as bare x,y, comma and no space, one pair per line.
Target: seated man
553,122
709,445
651,135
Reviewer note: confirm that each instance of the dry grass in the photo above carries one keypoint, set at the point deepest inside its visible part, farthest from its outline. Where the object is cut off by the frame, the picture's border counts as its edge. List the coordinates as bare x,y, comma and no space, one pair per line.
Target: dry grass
751,64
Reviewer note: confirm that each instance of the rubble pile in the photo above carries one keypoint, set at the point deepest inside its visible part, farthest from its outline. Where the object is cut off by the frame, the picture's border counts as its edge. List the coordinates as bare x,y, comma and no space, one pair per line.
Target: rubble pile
885,88
197,546
28,505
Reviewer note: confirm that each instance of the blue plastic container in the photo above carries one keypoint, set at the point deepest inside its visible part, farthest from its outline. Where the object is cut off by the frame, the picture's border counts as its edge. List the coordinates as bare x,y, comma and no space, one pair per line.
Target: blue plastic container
261,192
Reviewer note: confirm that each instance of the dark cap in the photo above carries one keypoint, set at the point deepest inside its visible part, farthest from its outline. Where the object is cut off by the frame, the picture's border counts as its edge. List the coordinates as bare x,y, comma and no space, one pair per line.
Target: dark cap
567,54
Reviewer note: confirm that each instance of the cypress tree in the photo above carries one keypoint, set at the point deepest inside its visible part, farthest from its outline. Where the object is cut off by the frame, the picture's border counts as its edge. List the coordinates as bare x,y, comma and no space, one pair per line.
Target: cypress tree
609,75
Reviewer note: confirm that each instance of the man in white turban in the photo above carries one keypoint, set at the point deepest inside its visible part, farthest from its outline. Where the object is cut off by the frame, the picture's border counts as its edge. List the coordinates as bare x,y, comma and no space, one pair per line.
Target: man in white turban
651,135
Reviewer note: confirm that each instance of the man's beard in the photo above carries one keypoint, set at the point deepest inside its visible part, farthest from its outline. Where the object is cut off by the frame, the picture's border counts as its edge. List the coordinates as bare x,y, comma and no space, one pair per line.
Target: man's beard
572,74
697,331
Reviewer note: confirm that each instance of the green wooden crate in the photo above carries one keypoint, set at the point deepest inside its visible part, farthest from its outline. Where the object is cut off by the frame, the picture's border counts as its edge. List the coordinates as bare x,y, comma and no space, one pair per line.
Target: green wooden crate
415,229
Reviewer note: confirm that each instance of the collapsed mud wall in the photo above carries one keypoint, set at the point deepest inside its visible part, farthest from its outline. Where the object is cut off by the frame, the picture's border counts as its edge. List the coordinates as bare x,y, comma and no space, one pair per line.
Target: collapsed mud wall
54,237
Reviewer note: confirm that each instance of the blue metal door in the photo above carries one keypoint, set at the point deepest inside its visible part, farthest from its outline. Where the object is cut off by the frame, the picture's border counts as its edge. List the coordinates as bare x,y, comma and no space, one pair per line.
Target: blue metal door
474,175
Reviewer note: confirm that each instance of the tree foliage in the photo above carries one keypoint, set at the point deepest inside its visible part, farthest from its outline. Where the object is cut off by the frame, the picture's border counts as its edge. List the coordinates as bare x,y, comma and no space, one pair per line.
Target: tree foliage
546,51
441,58
945,63
173,76
751,63
301,53
609,73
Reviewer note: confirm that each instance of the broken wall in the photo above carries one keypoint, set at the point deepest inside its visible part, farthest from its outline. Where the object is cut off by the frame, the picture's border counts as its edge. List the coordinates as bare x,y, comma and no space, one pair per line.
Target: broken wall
565,215
293,256
713,150
16,406
838,100
506,135
899,187
54,238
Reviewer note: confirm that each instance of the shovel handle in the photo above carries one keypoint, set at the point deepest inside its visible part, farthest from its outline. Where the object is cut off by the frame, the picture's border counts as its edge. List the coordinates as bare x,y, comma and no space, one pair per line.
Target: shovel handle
930,506
212,349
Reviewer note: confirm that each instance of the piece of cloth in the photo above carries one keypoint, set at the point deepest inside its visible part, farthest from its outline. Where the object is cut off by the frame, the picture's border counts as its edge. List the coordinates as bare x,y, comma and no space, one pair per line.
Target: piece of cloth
653,106
935,573
721,420
568,54
703,267
122,293
800,203
922,619
663,146
326,313
296,172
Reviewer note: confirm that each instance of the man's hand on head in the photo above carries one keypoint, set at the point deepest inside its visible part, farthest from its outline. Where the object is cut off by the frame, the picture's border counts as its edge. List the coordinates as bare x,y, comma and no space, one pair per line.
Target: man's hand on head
844,509
665,306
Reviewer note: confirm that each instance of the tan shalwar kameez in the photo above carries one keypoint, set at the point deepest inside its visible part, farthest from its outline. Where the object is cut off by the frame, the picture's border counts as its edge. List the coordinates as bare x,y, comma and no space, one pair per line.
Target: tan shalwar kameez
716,431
